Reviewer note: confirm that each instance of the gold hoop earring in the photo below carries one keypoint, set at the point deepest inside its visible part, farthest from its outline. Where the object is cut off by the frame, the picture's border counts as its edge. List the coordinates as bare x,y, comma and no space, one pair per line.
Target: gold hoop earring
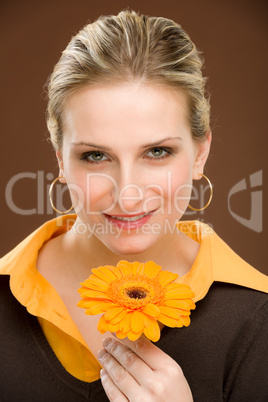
50,198
210,197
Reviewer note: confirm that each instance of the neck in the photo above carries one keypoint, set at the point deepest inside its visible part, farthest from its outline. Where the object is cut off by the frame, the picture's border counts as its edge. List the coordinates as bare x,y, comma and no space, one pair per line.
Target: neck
175,253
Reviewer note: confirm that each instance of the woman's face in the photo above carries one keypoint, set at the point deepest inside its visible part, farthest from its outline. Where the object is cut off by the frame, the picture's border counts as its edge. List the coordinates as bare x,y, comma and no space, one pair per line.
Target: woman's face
129,159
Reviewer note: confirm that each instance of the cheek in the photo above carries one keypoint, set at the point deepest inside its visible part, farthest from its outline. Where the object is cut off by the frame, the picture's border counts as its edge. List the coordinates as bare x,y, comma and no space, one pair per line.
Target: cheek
181,180
171,189
93,191
180,194
181,197
182,188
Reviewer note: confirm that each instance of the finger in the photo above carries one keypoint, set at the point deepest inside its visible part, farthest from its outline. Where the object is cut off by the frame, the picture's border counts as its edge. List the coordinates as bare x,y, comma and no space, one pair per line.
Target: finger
148,352
128,359
111,390
119,376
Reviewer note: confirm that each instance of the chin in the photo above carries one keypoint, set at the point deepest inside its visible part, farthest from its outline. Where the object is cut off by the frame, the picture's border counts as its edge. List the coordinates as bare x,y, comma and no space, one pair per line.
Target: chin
128,248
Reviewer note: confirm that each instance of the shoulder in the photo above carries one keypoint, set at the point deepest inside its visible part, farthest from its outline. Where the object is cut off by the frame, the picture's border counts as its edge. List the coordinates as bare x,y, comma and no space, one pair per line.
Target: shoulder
231,322
238,334
27,250
4,287
237,313
10,308
228,316
232,300
229,267
51,255
223,352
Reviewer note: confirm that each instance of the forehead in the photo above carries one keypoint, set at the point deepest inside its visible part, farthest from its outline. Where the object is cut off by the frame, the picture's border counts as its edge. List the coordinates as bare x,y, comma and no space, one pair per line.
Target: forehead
131,111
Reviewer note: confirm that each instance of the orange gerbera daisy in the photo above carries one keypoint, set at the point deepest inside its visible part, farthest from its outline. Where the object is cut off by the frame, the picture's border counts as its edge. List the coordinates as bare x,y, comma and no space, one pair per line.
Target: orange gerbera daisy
133,297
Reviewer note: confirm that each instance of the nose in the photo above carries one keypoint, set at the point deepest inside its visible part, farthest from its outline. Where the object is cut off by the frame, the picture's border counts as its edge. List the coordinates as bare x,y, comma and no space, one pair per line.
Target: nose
130,198
130,193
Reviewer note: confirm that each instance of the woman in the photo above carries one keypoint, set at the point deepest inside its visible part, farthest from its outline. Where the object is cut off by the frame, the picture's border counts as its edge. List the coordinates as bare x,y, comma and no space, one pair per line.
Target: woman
129,122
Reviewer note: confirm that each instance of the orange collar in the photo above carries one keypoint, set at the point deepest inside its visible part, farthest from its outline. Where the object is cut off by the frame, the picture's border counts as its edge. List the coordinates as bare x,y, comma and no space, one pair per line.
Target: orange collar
215,262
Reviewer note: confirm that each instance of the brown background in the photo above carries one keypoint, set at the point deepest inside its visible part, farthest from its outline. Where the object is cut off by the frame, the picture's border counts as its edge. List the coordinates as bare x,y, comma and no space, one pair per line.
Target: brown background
233,37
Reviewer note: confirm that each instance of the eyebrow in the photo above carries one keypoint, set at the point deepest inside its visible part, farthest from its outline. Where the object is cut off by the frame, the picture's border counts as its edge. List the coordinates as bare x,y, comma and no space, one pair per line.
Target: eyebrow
151,144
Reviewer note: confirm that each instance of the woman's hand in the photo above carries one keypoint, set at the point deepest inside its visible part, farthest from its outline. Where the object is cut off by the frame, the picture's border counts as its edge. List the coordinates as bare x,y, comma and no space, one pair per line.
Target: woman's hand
140,371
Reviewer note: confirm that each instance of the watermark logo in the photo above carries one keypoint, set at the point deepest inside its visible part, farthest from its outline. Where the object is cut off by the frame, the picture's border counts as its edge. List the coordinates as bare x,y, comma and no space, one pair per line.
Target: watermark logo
41,204
256,209
165,198
98,229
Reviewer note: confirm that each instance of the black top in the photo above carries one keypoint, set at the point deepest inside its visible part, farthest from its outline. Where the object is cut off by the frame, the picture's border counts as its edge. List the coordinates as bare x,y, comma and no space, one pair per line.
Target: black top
223,353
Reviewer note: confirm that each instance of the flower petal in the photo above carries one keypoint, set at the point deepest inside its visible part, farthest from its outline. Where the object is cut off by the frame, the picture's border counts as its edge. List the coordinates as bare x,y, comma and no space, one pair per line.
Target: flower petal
135,267
151,269
169,312
99,308
180,289
140,269
125,324
82,291
132,336
147,320
169,322
181,304
113,312
88,303
111,272
98,272
178,294
153,331
124,267
121,335
179,285
178,310
183,312
102,325
118,318
151,309
113,328
191,304
94,310
165,277
96,284
186,320
96,295
112,291
137,324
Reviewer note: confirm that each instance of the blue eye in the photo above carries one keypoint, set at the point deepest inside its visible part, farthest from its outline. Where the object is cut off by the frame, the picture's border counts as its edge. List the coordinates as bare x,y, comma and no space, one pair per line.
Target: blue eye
94,157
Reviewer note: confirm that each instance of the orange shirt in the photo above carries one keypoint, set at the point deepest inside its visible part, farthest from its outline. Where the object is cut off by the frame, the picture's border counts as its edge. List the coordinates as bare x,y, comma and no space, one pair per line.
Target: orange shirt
215,262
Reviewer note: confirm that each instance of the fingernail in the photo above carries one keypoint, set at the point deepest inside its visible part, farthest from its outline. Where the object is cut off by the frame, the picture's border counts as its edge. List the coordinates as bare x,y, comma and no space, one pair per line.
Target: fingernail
101,353
106,342
103,373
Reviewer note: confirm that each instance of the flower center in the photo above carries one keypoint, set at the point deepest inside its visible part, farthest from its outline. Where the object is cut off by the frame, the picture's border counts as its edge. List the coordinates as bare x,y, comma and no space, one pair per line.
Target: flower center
136,293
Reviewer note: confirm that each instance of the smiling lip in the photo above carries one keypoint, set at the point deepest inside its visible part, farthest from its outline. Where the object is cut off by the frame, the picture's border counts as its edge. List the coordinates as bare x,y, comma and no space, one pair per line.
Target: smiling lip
129,222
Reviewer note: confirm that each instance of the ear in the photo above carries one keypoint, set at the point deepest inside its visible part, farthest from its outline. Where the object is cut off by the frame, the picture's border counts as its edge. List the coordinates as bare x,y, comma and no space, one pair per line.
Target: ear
60,163
202,153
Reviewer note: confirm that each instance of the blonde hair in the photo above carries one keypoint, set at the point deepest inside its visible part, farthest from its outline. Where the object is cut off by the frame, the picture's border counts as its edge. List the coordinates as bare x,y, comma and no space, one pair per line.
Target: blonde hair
124,48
